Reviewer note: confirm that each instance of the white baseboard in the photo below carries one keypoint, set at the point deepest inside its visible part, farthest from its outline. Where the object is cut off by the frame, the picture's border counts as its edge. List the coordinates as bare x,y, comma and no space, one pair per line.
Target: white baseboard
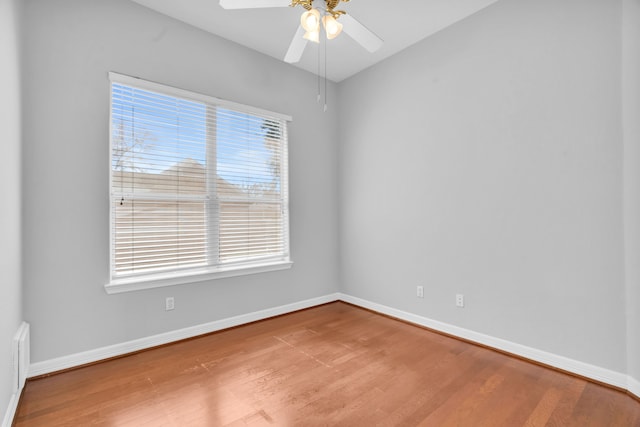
570,365
580,368
78,359
10,413
633,386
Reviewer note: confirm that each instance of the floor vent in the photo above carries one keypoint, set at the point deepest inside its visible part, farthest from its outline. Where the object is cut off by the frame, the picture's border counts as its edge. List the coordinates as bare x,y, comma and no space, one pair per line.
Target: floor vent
21,357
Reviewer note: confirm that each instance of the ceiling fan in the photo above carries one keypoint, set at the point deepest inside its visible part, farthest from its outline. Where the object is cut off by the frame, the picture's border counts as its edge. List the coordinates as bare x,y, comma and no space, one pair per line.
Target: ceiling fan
310,21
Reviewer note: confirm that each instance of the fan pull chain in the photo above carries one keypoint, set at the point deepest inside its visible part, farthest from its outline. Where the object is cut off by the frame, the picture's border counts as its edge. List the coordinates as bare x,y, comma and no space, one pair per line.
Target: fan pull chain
325,75
319,63
318,74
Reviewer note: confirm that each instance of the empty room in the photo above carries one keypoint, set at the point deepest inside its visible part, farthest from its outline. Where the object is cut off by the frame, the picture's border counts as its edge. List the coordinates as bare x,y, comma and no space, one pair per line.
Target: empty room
320,212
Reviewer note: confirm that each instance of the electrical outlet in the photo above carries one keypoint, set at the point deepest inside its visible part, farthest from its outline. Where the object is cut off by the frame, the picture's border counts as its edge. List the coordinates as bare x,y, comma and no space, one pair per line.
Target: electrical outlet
420,292
459,300
169,303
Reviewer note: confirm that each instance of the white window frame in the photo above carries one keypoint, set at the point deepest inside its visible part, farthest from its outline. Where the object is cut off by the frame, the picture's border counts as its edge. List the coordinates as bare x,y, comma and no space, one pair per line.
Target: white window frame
192,275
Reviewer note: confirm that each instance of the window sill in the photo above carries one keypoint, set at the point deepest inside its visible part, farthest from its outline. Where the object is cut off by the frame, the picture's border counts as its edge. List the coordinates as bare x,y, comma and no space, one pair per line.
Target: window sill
131,284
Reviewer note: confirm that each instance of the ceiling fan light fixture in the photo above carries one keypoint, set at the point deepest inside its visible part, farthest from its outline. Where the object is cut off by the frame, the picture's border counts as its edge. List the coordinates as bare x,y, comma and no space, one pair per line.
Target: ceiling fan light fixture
310,20
332,27
313,36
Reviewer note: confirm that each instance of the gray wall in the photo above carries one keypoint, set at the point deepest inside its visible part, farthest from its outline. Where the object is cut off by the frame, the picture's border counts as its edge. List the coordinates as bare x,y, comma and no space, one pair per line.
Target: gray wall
70,46
10,248
631,108
487,160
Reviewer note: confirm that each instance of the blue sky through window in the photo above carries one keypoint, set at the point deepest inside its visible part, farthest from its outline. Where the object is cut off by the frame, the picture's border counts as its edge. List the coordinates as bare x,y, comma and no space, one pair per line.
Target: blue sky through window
155,131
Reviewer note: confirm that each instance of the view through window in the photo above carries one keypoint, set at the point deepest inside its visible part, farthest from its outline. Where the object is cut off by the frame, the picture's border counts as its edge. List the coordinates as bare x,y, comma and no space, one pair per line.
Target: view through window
196,182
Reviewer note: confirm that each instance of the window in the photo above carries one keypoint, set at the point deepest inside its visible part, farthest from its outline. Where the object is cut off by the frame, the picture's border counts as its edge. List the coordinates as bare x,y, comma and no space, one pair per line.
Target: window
198,187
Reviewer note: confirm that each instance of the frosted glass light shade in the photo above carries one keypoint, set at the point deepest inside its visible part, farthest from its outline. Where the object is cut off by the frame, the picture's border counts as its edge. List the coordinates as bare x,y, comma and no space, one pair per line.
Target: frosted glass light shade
313,36
331,26
310,20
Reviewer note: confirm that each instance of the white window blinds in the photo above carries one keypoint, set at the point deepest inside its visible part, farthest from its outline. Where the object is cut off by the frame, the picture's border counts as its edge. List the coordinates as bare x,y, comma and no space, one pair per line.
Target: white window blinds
196,182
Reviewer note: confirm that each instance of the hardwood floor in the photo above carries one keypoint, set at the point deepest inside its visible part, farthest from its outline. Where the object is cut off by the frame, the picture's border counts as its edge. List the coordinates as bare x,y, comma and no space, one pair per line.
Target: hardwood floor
333,365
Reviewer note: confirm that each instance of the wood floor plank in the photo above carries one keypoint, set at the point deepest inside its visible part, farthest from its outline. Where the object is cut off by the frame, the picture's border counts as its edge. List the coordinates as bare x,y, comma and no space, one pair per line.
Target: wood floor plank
334,365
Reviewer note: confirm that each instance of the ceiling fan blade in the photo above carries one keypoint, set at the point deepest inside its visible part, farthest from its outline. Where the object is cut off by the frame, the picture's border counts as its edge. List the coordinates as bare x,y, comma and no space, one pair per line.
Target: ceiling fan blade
360,33
296,47
252,4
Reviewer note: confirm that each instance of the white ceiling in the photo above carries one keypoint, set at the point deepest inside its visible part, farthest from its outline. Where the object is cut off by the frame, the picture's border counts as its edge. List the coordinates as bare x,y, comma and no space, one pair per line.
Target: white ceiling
399,23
